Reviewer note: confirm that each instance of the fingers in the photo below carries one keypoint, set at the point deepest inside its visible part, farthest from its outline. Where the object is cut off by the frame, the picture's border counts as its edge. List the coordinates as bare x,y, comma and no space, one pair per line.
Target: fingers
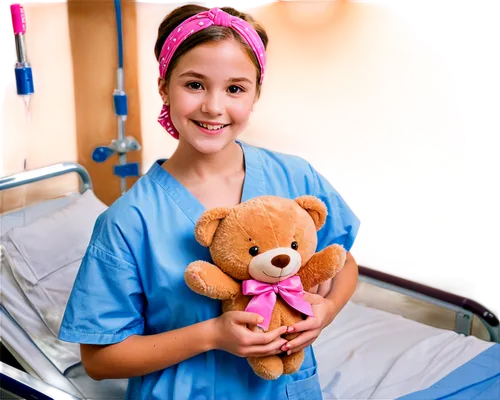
301,347
267,337
261,344
275,347
255,328
245,318
301,342
310,323
313,298
314,289
324,288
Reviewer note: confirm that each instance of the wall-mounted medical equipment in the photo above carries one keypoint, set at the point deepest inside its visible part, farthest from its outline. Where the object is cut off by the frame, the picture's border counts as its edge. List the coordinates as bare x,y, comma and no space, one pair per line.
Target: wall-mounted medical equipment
122,145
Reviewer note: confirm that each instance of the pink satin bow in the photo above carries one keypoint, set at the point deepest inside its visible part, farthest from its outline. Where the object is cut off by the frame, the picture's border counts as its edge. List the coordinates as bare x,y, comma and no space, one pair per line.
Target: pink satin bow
265,297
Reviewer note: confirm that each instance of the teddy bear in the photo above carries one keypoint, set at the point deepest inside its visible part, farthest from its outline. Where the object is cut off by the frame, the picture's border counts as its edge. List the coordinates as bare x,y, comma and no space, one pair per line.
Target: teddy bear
264,251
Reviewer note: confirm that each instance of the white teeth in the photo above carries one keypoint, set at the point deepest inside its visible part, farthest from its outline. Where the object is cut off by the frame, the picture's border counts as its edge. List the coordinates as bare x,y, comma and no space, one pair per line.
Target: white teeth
211,127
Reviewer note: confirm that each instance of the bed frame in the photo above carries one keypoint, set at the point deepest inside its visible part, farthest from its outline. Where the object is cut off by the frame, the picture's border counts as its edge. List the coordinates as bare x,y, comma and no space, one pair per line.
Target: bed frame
51,171
17,376
390,289
442,302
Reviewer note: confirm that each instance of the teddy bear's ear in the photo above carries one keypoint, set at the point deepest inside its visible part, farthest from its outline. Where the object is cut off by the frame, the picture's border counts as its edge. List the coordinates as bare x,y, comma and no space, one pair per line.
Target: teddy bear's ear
208,223
316,209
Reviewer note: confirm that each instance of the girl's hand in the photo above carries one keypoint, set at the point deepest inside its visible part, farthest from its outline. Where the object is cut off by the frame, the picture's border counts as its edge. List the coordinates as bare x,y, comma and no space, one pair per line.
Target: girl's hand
324,311
231,334
323,288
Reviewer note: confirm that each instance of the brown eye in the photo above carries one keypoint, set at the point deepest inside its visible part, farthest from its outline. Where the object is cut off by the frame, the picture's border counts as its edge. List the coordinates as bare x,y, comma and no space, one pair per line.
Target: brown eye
235,89
253,251
295,245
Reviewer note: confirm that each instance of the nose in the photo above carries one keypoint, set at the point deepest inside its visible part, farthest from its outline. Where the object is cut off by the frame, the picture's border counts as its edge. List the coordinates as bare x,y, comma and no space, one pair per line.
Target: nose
212,104
280,261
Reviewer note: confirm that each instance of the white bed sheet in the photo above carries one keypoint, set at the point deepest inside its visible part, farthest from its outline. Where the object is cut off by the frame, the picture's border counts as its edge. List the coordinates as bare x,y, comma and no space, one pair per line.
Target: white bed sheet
63,355
371,354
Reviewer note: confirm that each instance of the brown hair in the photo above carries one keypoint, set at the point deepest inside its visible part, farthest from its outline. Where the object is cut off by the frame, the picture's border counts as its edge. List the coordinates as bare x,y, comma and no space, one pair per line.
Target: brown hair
210,34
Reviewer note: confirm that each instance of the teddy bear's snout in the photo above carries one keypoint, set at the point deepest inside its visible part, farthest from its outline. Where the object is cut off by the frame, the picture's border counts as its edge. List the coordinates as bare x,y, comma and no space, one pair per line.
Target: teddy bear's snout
281,261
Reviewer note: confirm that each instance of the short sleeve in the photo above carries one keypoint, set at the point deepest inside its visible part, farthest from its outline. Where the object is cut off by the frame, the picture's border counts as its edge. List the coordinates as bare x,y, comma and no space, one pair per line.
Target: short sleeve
342,225
107,302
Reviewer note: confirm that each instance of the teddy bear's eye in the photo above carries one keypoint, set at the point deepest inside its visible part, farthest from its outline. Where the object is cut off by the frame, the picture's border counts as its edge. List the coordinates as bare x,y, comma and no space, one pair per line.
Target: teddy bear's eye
295,245
253,251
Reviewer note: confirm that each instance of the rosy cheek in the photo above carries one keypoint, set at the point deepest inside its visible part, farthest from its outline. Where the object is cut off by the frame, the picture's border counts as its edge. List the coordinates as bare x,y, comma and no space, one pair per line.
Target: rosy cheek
187,102
242,110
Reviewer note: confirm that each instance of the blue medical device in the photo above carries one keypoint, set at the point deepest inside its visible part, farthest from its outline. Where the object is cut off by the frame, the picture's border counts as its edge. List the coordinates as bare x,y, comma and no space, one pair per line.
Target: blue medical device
123,144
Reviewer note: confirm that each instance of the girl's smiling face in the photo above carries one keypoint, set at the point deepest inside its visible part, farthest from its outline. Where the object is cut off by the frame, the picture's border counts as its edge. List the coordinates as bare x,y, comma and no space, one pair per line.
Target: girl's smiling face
211,93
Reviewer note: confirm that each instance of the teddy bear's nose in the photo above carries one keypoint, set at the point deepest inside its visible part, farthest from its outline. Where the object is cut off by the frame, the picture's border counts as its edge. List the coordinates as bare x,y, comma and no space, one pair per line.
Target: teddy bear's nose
280,261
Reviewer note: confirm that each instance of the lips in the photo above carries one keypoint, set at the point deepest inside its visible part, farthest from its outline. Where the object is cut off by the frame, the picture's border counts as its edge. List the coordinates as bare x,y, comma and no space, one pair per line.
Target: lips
211,126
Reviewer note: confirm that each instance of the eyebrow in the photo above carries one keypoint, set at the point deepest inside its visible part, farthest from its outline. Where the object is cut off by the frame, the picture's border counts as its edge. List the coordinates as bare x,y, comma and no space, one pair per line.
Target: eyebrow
201,76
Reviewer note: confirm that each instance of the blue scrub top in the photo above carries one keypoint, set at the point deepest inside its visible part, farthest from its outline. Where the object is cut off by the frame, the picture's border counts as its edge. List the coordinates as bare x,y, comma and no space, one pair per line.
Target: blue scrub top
131,281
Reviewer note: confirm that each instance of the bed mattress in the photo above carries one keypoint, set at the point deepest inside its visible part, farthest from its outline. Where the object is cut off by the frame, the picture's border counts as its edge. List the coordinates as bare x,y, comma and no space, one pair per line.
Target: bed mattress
371,354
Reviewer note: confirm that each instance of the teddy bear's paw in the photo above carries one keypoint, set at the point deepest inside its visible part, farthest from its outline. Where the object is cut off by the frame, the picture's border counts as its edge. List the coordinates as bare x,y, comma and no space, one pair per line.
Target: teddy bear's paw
292,363
194,280
290,336
270,367
338,255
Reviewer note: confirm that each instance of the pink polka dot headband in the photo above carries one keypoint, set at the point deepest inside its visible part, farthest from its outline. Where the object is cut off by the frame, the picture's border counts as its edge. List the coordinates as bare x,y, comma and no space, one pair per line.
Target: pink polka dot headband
195,24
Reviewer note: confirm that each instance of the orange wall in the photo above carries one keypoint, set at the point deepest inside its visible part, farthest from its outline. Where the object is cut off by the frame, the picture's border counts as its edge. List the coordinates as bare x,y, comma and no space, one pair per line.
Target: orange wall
395,102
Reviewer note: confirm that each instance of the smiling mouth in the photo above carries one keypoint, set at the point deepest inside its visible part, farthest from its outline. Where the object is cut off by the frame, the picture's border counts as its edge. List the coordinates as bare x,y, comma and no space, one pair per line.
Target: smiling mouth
272,276
211,127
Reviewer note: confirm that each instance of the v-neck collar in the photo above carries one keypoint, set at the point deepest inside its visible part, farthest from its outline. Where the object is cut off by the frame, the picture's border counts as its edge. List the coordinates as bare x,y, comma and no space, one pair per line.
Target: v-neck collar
253,184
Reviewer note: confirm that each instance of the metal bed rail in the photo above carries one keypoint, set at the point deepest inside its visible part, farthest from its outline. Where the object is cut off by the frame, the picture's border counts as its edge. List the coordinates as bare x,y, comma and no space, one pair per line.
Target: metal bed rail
422,288
51,171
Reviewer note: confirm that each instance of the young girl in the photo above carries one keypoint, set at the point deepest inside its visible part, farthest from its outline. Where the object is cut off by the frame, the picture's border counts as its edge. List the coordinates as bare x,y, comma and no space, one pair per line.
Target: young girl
130,308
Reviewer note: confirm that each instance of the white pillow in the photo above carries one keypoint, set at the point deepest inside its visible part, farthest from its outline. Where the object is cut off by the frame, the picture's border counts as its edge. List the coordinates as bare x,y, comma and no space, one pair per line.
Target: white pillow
26,215
47,253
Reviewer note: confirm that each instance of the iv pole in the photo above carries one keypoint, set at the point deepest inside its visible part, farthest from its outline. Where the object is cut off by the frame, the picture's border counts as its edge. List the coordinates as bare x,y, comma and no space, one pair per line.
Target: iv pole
123,144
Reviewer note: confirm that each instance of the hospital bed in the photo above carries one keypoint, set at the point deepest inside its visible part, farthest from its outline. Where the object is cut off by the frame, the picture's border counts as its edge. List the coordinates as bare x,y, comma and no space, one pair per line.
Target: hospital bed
394,339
